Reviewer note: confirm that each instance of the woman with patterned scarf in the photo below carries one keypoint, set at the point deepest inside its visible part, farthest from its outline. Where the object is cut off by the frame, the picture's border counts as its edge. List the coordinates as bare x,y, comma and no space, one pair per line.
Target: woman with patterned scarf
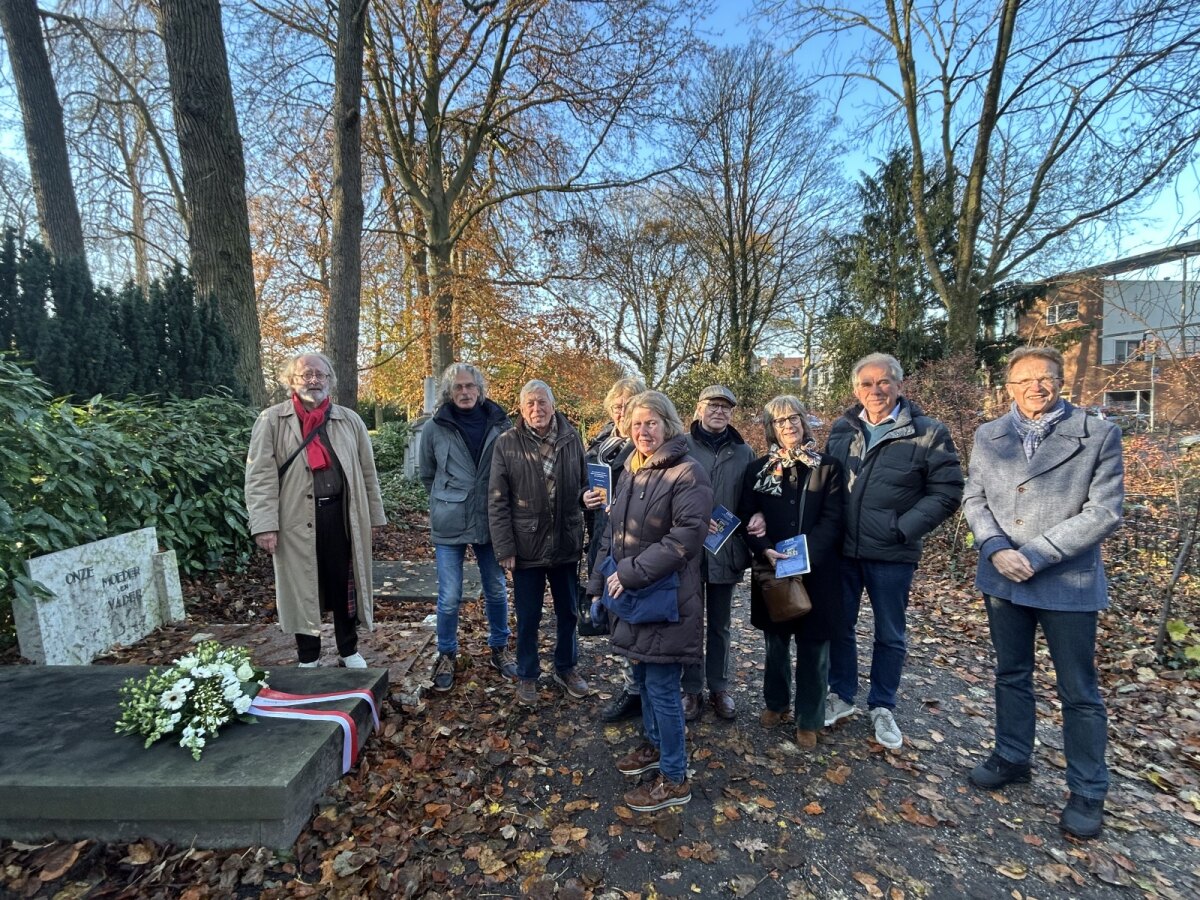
798,490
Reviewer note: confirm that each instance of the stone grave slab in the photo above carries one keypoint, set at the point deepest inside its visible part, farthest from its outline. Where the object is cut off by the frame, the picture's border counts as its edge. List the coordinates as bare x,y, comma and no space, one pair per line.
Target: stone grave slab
65,774
114,591
418,582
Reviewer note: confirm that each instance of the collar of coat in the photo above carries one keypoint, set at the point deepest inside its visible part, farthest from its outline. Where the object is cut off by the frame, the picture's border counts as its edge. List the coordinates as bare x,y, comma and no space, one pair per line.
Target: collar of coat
287,411
735,436
1060,444
565,430
665,456
904,420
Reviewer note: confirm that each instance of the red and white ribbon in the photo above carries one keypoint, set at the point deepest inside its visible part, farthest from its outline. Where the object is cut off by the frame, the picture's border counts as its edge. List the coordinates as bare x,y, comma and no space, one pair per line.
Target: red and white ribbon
272,704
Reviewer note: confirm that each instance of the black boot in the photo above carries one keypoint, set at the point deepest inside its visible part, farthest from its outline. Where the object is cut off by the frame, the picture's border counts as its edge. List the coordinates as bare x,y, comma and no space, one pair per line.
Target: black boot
624,706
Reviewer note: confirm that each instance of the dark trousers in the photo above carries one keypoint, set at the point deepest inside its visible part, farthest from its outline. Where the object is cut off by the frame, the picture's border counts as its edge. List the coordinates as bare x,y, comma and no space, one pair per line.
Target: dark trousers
529,592
333,584
718,605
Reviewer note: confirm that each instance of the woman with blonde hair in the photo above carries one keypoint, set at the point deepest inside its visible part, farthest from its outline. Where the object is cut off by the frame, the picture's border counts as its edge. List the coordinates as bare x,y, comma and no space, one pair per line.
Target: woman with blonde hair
612,447
658,523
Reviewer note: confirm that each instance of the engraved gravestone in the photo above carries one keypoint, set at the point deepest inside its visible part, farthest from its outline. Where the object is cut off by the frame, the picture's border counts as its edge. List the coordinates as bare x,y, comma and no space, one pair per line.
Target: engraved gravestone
114,591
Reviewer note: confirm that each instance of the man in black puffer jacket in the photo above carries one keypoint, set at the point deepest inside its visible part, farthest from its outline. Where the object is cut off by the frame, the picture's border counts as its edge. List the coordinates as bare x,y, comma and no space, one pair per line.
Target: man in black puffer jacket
903,479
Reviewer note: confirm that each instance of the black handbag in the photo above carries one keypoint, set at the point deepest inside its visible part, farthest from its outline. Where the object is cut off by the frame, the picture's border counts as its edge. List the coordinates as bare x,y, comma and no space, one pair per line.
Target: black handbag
585,625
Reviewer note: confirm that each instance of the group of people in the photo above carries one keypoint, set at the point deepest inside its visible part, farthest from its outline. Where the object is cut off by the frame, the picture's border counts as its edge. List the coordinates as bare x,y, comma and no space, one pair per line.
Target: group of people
1045,489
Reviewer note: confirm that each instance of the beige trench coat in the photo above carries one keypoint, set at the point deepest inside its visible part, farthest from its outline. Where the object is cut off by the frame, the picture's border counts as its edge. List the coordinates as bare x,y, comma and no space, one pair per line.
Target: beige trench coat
287,507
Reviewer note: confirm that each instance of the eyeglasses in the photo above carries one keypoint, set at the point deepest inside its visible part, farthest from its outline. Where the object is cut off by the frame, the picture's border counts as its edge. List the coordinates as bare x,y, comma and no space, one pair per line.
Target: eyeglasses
1045,381
311,376
717,406
794,419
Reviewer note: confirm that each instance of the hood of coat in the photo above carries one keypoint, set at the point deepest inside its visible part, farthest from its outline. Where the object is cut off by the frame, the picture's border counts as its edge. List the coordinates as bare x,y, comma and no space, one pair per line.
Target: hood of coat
495,414
671,451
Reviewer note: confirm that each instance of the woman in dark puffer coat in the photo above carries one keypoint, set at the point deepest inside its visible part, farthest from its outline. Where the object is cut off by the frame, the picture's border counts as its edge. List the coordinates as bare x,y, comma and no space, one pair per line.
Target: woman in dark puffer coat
658,522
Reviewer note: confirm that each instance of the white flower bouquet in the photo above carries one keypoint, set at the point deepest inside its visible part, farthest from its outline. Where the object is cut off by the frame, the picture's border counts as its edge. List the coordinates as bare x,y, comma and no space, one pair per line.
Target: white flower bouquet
201,692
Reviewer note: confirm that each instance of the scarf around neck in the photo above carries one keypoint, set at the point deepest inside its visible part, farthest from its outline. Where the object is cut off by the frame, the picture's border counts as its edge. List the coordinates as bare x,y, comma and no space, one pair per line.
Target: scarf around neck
310,420
770,477
1033,431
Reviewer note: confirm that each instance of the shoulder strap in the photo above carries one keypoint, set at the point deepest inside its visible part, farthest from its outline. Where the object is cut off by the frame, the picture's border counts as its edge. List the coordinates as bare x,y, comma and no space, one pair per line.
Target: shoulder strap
320,429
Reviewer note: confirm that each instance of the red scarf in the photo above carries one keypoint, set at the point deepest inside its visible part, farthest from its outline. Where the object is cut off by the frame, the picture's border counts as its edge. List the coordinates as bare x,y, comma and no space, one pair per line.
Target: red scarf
310,420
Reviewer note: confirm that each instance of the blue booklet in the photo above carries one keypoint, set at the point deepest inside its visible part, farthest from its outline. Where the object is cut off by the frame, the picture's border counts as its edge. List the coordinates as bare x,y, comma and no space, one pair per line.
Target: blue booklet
727,524
600,479
795,549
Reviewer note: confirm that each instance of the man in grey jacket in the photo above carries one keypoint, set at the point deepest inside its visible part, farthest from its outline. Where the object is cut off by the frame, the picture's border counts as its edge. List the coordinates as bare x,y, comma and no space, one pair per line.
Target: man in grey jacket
1046,487
720,450
456,463
903,479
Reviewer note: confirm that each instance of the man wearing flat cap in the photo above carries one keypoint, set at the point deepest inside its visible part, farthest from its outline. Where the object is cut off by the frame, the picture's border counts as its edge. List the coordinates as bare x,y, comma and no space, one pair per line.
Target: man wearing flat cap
718,447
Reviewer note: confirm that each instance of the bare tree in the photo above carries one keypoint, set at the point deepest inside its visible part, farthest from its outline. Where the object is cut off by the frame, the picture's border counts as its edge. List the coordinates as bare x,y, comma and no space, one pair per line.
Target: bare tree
214,175
345,263
484,104
759,192
644,279
1052,118
45,139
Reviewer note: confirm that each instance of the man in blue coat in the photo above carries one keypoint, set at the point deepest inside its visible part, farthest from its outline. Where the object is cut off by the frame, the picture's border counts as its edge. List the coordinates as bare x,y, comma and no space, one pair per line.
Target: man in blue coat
456,462
1045,489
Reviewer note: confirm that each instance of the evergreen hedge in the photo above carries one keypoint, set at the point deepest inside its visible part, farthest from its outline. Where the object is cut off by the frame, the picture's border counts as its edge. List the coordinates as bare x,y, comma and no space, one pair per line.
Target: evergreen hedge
75,473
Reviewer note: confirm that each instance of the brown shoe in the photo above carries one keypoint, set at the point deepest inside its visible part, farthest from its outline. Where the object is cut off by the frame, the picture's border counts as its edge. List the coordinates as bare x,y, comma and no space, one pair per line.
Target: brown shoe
805,739
692,707
572,682
768,718
527,692
643,759
723,705
658,794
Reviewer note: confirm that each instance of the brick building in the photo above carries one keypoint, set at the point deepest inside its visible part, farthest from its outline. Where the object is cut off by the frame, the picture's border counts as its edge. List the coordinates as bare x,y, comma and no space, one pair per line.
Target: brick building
1130,346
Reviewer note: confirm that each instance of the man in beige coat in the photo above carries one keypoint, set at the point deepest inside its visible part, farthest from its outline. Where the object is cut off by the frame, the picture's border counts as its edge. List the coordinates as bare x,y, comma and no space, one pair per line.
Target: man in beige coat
314,504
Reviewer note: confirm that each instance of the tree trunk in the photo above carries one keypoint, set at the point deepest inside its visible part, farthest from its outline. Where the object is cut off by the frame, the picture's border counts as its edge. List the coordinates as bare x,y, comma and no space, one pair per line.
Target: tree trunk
438,265
345,270
214,176
45,139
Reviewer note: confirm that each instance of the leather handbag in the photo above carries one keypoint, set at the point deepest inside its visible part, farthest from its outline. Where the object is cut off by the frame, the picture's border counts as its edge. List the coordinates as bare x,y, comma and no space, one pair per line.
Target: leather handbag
786,599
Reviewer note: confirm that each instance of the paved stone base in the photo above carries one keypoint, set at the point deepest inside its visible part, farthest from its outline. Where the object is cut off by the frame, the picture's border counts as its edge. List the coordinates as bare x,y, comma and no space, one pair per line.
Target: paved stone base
65,774
417,581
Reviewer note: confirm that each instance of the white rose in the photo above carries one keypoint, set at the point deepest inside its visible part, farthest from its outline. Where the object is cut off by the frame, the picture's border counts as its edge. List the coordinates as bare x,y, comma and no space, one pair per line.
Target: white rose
245,672
241,704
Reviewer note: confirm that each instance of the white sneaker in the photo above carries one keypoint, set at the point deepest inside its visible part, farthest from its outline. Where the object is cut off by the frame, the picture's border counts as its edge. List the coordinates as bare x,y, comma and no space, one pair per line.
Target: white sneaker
354,662
887,732
837,709
315,664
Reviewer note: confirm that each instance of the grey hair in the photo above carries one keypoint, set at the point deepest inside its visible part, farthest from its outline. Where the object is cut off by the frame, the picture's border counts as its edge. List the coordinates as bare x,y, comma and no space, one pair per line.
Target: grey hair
292,366
532,387
659,404
894,369
784,405
1050,354
452,371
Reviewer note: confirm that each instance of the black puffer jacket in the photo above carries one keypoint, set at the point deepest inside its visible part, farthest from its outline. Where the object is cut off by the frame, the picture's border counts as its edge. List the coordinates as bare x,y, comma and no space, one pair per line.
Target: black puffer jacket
907,484
659,521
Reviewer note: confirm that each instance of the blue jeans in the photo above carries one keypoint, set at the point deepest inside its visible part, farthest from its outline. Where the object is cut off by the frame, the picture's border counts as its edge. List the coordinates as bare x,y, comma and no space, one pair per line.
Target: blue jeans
1071,637
450,581
887,585
529,592
662,715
